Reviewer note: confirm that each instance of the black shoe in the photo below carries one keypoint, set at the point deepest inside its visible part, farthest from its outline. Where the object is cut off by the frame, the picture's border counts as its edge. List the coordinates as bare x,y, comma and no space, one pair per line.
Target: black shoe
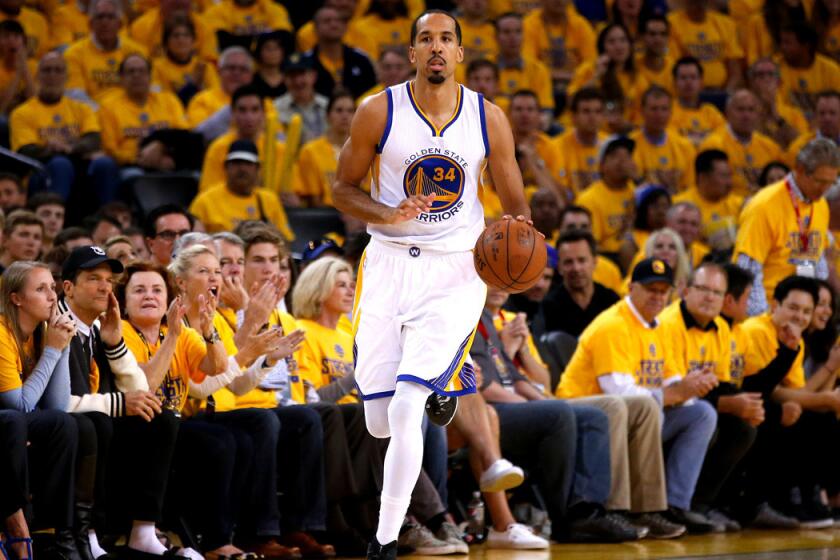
813,515
441,409
600,528
378,551
696,523
622,519
658,526
349,543
81,530
65,545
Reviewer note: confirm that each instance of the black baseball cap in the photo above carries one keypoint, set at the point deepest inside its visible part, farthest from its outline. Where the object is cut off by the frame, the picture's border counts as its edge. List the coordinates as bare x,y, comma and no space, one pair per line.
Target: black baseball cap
243,150
613,143
85,258
316,248
652,270
298,62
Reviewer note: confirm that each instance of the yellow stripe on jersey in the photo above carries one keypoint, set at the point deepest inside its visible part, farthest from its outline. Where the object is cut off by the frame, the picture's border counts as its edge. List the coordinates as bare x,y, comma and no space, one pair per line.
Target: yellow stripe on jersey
436,131
459,377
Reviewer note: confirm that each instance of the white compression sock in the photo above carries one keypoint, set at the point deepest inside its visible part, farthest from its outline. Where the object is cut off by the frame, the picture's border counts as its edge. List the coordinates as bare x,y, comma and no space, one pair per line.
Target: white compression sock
403,459
144,538
190,553
95,549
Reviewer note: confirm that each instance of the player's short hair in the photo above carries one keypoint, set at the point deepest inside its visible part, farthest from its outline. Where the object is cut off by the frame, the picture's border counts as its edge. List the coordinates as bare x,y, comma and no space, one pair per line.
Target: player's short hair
480,63
315,284
686,61
737,280
796,283
655,91
247,90
652,18
414,24
705,161
703,266
586,94
575,236
817,153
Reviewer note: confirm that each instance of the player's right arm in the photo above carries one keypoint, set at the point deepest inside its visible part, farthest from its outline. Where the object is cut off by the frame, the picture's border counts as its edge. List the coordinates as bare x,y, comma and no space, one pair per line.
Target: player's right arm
354,163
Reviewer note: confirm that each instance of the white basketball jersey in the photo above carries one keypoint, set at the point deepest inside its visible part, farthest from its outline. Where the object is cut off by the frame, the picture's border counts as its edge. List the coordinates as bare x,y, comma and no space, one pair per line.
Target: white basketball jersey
415,157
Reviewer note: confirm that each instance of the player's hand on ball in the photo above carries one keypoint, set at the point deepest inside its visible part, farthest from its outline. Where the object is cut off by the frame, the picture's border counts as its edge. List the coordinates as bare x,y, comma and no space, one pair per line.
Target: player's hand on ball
521,218
412,207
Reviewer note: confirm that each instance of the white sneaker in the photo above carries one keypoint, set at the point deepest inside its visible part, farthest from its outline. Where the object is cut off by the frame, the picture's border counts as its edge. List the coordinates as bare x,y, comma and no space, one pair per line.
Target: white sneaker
501,475
419,539
450,534
516,536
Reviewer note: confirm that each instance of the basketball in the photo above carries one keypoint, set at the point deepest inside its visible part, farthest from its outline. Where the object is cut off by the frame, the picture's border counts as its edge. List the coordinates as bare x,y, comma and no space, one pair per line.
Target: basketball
510,255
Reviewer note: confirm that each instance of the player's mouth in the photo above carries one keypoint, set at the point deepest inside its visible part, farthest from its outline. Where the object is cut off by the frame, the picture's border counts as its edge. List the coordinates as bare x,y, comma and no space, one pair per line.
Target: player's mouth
437,64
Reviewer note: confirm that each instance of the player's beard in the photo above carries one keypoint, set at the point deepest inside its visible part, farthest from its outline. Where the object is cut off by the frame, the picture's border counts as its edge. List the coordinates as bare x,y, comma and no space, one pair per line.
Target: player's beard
436,78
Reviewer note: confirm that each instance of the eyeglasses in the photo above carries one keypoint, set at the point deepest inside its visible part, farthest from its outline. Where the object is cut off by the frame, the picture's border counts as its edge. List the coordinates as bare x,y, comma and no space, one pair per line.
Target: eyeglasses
171,235
708,291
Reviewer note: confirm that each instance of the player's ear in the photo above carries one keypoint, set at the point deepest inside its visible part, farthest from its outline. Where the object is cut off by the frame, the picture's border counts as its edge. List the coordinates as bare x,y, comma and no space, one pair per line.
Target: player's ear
412,56
460,56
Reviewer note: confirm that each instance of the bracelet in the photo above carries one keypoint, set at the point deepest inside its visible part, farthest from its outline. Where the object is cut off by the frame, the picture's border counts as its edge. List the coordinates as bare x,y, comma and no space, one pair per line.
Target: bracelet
213,338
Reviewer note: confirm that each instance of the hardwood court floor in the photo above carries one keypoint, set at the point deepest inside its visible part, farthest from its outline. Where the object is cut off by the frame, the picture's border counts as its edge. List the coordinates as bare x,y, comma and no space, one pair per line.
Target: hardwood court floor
747,545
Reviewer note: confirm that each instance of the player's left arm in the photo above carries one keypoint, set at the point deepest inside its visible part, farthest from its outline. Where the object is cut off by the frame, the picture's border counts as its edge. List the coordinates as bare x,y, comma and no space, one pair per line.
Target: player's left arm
507,178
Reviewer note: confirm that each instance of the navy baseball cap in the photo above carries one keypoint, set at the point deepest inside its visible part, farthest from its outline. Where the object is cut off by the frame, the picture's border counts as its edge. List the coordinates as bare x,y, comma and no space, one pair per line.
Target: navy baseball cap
86,258
652,270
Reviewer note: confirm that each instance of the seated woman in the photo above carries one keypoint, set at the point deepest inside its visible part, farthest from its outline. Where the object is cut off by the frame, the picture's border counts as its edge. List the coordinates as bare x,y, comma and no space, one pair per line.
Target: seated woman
197,274
210,460
35,380
665,244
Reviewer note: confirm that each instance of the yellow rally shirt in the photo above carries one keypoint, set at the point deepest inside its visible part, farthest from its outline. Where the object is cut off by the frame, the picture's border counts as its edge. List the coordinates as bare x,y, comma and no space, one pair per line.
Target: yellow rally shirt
580,167
560,47
747,159
35,122
616,342
611,213
221,210
669,163
95,71
715,215
213,170
712,42
326,355
693,348
696,124
762,347
529,74
769,233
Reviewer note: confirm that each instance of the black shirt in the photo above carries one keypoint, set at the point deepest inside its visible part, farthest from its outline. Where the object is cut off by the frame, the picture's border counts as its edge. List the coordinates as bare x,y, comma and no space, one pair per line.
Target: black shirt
563,314
272,92
357,73
489,353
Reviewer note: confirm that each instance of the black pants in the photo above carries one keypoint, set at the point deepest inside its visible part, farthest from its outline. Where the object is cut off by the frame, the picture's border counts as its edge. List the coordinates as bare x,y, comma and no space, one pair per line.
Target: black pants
132,466
209,475
53,439
256,432
300,469
730,443
12,462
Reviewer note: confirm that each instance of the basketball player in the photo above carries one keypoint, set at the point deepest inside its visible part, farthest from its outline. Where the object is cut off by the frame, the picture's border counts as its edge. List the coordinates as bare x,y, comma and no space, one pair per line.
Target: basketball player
418,297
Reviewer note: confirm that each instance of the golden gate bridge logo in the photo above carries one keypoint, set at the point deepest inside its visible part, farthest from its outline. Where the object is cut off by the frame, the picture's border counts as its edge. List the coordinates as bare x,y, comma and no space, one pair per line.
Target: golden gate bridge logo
435,174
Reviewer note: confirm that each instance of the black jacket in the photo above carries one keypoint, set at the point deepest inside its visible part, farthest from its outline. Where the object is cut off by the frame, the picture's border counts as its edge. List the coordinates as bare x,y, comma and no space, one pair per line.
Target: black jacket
358,75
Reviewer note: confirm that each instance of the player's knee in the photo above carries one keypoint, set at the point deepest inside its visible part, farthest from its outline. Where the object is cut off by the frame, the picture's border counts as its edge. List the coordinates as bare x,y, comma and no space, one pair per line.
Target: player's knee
378,428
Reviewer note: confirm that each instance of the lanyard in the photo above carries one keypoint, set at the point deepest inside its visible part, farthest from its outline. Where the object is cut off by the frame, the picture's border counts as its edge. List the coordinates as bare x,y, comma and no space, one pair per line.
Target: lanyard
804,228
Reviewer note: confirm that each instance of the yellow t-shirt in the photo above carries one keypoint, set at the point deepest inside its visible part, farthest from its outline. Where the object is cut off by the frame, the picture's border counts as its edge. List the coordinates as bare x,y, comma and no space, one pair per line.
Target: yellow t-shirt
37,29
189,352
221,210
35,122
384,33
607,273
11,365
148,30
739,345
326,355
317,164
746,160
580,167
479,41
756,39
611,213
529,74
550,155
800,86
763,345
616,342
95,71
171,76
205,104
559,47
674,157
415,8
261,17
213,170
768,232
712,42
696,124
125,123
662,77
73,27
693,348
715,215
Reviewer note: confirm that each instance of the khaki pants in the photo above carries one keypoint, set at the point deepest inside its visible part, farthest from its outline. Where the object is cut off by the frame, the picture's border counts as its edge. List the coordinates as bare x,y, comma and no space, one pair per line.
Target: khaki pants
636,463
